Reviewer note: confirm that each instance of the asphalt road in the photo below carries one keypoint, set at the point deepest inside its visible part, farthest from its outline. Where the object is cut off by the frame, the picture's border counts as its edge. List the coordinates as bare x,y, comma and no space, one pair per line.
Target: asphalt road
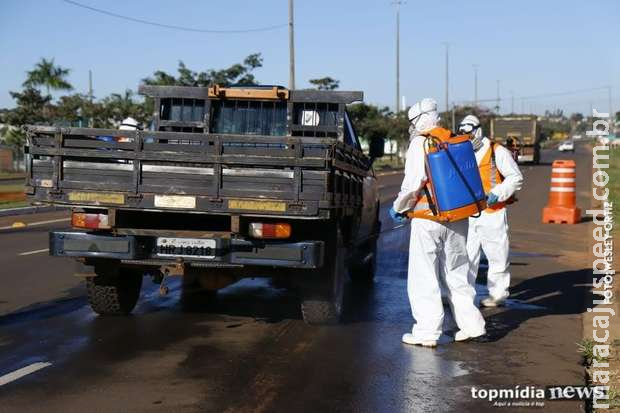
250,352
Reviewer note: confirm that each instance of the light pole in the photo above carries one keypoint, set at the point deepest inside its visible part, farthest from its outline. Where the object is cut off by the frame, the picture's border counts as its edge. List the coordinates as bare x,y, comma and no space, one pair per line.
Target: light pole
512,102
398,3
291,45
447,75
475,86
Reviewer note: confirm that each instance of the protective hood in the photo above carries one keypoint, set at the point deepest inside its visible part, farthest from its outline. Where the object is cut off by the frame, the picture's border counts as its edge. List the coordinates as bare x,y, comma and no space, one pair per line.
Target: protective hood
471,125
423,116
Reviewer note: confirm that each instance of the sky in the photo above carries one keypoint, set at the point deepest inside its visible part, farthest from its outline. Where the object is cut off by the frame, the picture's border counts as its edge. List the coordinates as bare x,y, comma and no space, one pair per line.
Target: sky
533,47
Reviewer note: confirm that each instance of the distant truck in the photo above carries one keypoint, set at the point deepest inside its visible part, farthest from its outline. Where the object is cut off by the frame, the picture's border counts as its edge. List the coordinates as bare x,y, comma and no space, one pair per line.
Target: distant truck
231,183
518,133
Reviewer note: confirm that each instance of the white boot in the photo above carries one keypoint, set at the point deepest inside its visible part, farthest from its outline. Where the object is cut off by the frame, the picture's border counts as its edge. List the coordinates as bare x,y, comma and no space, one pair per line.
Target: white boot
408,338
492,302
462,336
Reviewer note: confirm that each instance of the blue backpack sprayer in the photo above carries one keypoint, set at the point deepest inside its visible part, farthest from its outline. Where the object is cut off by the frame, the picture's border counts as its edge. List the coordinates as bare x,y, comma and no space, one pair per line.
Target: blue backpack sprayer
454,190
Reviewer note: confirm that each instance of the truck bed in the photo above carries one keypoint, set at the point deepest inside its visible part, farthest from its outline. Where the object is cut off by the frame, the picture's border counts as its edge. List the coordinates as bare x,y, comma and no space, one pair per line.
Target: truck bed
193,172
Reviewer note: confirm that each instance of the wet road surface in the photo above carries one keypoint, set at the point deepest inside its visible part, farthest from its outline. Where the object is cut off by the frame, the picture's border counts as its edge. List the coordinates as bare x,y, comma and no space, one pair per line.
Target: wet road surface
250,352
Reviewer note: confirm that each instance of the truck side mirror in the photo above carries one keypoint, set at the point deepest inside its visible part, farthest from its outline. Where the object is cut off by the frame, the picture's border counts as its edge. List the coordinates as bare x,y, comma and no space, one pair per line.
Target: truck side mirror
376,148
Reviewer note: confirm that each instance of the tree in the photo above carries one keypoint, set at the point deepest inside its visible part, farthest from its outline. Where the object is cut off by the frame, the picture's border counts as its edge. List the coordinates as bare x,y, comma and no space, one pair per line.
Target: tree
237,74
120,106
78,109
45,73
32,108
325,83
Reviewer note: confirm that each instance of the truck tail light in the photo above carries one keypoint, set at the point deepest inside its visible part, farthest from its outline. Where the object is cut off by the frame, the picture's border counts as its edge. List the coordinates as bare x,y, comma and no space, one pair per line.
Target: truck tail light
90,221
270,231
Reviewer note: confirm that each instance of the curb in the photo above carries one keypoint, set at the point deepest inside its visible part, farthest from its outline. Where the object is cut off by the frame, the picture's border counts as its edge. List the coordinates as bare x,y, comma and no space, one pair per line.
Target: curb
27,210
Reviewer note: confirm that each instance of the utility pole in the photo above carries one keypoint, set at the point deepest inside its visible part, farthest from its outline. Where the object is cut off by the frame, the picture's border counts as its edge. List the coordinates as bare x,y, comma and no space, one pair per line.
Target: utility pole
512,102
475,86
291,45
498,98
90,85
447,75
398,3
90,95
453,117
612,115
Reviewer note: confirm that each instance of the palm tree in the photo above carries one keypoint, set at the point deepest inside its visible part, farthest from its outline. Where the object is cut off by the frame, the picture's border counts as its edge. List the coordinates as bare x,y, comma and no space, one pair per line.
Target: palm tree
45,73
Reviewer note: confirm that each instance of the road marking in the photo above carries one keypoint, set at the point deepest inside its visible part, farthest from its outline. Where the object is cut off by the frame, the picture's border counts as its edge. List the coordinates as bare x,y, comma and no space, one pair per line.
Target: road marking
33,252
34,224
24,371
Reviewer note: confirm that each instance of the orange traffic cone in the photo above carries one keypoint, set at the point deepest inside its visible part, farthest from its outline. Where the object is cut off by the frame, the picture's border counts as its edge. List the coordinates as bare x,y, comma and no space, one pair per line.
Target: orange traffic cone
562,208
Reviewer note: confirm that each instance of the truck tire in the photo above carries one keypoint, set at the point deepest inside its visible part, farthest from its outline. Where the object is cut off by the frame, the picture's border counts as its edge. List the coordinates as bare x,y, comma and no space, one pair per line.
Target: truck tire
322,296
114,291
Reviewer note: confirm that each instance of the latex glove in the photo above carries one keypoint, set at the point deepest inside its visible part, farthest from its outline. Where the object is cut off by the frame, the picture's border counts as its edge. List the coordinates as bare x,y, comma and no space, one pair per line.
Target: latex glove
397,217
492,199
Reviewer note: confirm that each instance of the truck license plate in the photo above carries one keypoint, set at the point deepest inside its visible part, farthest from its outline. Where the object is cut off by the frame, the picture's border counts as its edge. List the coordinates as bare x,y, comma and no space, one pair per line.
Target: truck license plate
272,206
185,247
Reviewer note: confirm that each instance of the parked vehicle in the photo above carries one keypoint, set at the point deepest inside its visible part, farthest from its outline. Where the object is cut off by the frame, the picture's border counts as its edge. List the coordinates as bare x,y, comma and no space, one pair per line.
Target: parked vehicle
233,182
520,132
567,146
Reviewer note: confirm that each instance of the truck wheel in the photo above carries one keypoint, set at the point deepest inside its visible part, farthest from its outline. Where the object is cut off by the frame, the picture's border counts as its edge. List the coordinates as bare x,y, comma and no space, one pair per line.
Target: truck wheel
114,291
322,296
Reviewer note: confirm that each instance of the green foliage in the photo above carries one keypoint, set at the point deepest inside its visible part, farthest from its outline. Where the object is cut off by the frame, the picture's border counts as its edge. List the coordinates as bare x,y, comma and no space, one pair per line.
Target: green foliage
32,108
119,106
378,122
586,348
325,83
47,74
237,74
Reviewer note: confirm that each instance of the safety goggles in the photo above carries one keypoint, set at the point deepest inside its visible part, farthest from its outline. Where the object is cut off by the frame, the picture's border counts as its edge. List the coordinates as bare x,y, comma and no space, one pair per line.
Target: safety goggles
468,128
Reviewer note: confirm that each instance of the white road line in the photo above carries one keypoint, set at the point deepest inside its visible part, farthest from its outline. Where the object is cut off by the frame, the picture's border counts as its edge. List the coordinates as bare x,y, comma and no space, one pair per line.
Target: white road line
24,371
34,224
33,252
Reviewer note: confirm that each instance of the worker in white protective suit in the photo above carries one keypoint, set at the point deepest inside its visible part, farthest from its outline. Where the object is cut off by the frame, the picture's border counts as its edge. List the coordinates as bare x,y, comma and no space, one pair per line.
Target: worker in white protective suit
129,123
501,178
437,250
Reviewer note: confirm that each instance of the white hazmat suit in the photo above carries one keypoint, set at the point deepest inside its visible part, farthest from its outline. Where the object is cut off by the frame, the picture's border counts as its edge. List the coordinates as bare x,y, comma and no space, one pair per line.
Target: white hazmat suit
437,251
489,232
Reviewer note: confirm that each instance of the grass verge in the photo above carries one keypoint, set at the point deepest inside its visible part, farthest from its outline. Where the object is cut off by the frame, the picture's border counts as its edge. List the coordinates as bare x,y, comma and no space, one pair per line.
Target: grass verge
11,188
17,204
614,187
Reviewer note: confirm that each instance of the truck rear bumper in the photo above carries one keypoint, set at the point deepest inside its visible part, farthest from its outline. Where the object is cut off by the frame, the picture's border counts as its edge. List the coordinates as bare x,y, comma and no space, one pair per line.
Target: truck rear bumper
236,251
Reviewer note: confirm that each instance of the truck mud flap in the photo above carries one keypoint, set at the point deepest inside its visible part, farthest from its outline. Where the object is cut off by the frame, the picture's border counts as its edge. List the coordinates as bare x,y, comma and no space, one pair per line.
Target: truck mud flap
79,244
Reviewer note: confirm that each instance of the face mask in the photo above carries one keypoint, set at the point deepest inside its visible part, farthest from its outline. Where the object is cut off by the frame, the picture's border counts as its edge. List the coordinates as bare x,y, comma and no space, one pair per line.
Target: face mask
423,122
475,132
